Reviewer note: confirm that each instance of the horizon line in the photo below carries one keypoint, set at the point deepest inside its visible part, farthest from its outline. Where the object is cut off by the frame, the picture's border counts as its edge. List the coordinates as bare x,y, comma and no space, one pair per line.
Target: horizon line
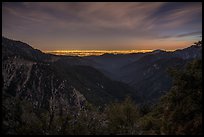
98,52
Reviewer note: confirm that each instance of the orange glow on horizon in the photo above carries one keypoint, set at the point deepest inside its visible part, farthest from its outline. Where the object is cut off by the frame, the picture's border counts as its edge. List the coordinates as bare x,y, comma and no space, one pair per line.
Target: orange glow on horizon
153,45
95,52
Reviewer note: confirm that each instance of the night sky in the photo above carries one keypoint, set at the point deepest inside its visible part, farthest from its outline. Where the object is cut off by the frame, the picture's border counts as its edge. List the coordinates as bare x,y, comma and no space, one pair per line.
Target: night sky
108,26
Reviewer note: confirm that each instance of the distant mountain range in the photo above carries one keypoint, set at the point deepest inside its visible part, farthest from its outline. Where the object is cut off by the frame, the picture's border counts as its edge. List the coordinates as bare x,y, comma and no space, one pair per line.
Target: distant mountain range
145,72
30,74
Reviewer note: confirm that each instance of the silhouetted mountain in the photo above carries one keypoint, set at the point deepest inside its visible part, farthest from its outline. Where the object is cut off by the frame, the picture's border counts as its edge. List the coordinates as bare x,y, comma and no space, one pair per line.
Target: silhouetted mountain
192,52
51,94
157,51
146,72
42,78
11,48
109,64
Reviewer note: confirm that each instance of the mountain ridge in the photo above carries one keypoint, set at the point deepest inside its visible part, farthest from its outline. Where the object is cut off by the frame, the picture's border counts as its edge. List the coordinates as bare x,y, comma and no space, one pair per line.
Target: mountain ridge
136,70
28,78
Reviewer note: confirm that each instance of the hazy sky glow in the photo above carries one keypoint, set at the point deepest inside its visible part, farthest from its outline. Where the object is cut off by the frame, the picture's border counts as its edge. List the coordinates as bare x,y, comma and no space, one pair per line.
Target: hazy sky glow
121,26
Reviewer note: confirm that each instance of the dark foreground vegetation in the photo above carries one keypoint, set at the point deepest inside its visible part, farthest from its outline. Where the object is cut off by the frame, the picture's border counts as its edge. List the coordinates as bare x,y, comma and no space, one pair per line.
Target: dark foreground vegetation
178,112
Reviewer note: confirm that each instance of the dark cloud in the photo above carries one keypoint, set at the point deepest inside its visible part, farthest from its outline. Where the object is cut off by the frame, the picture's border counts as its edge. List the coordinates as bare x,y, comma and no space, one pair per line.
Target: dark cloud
196,33
190,34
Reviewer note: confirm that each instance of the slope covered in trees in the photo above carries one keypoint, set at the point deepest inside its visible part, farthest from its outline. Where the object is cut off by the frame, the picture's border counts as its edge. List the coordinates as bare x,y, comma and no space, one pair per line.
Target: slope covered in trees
178,112
47,94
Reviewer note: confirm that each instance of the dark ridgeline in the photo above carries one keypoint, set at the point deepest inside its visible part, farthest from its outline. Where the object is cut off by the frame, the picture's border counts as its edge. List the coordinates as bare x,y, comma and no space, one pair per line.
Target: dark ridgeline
50,87
29,73
146,72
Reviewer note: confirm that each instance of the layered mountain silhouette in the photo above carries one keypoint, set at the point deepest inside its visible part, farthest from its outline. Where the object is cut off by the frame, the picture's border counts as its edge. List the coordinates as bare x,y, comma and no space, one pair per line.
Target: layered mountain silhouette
42,78
146,72
30,74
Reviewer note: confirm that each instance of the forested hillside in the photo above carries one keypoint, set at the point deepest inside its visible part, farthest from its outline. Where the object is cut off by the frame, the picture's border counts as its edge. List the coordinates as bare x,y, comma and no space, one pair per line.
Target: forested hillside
178,112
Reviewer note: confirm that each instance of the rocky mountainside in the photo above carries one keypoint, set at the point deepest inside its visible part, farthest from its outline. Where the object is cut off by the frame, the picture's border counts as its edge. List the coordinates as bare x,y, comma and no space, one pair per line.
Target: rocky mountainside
42,78
30,74
49,94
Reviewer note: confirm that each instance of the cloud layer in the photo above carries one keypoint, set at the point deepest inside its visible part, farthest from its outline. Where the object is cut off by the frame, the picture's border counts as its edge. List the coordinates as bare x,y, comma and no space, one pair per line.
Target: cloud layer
102,25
